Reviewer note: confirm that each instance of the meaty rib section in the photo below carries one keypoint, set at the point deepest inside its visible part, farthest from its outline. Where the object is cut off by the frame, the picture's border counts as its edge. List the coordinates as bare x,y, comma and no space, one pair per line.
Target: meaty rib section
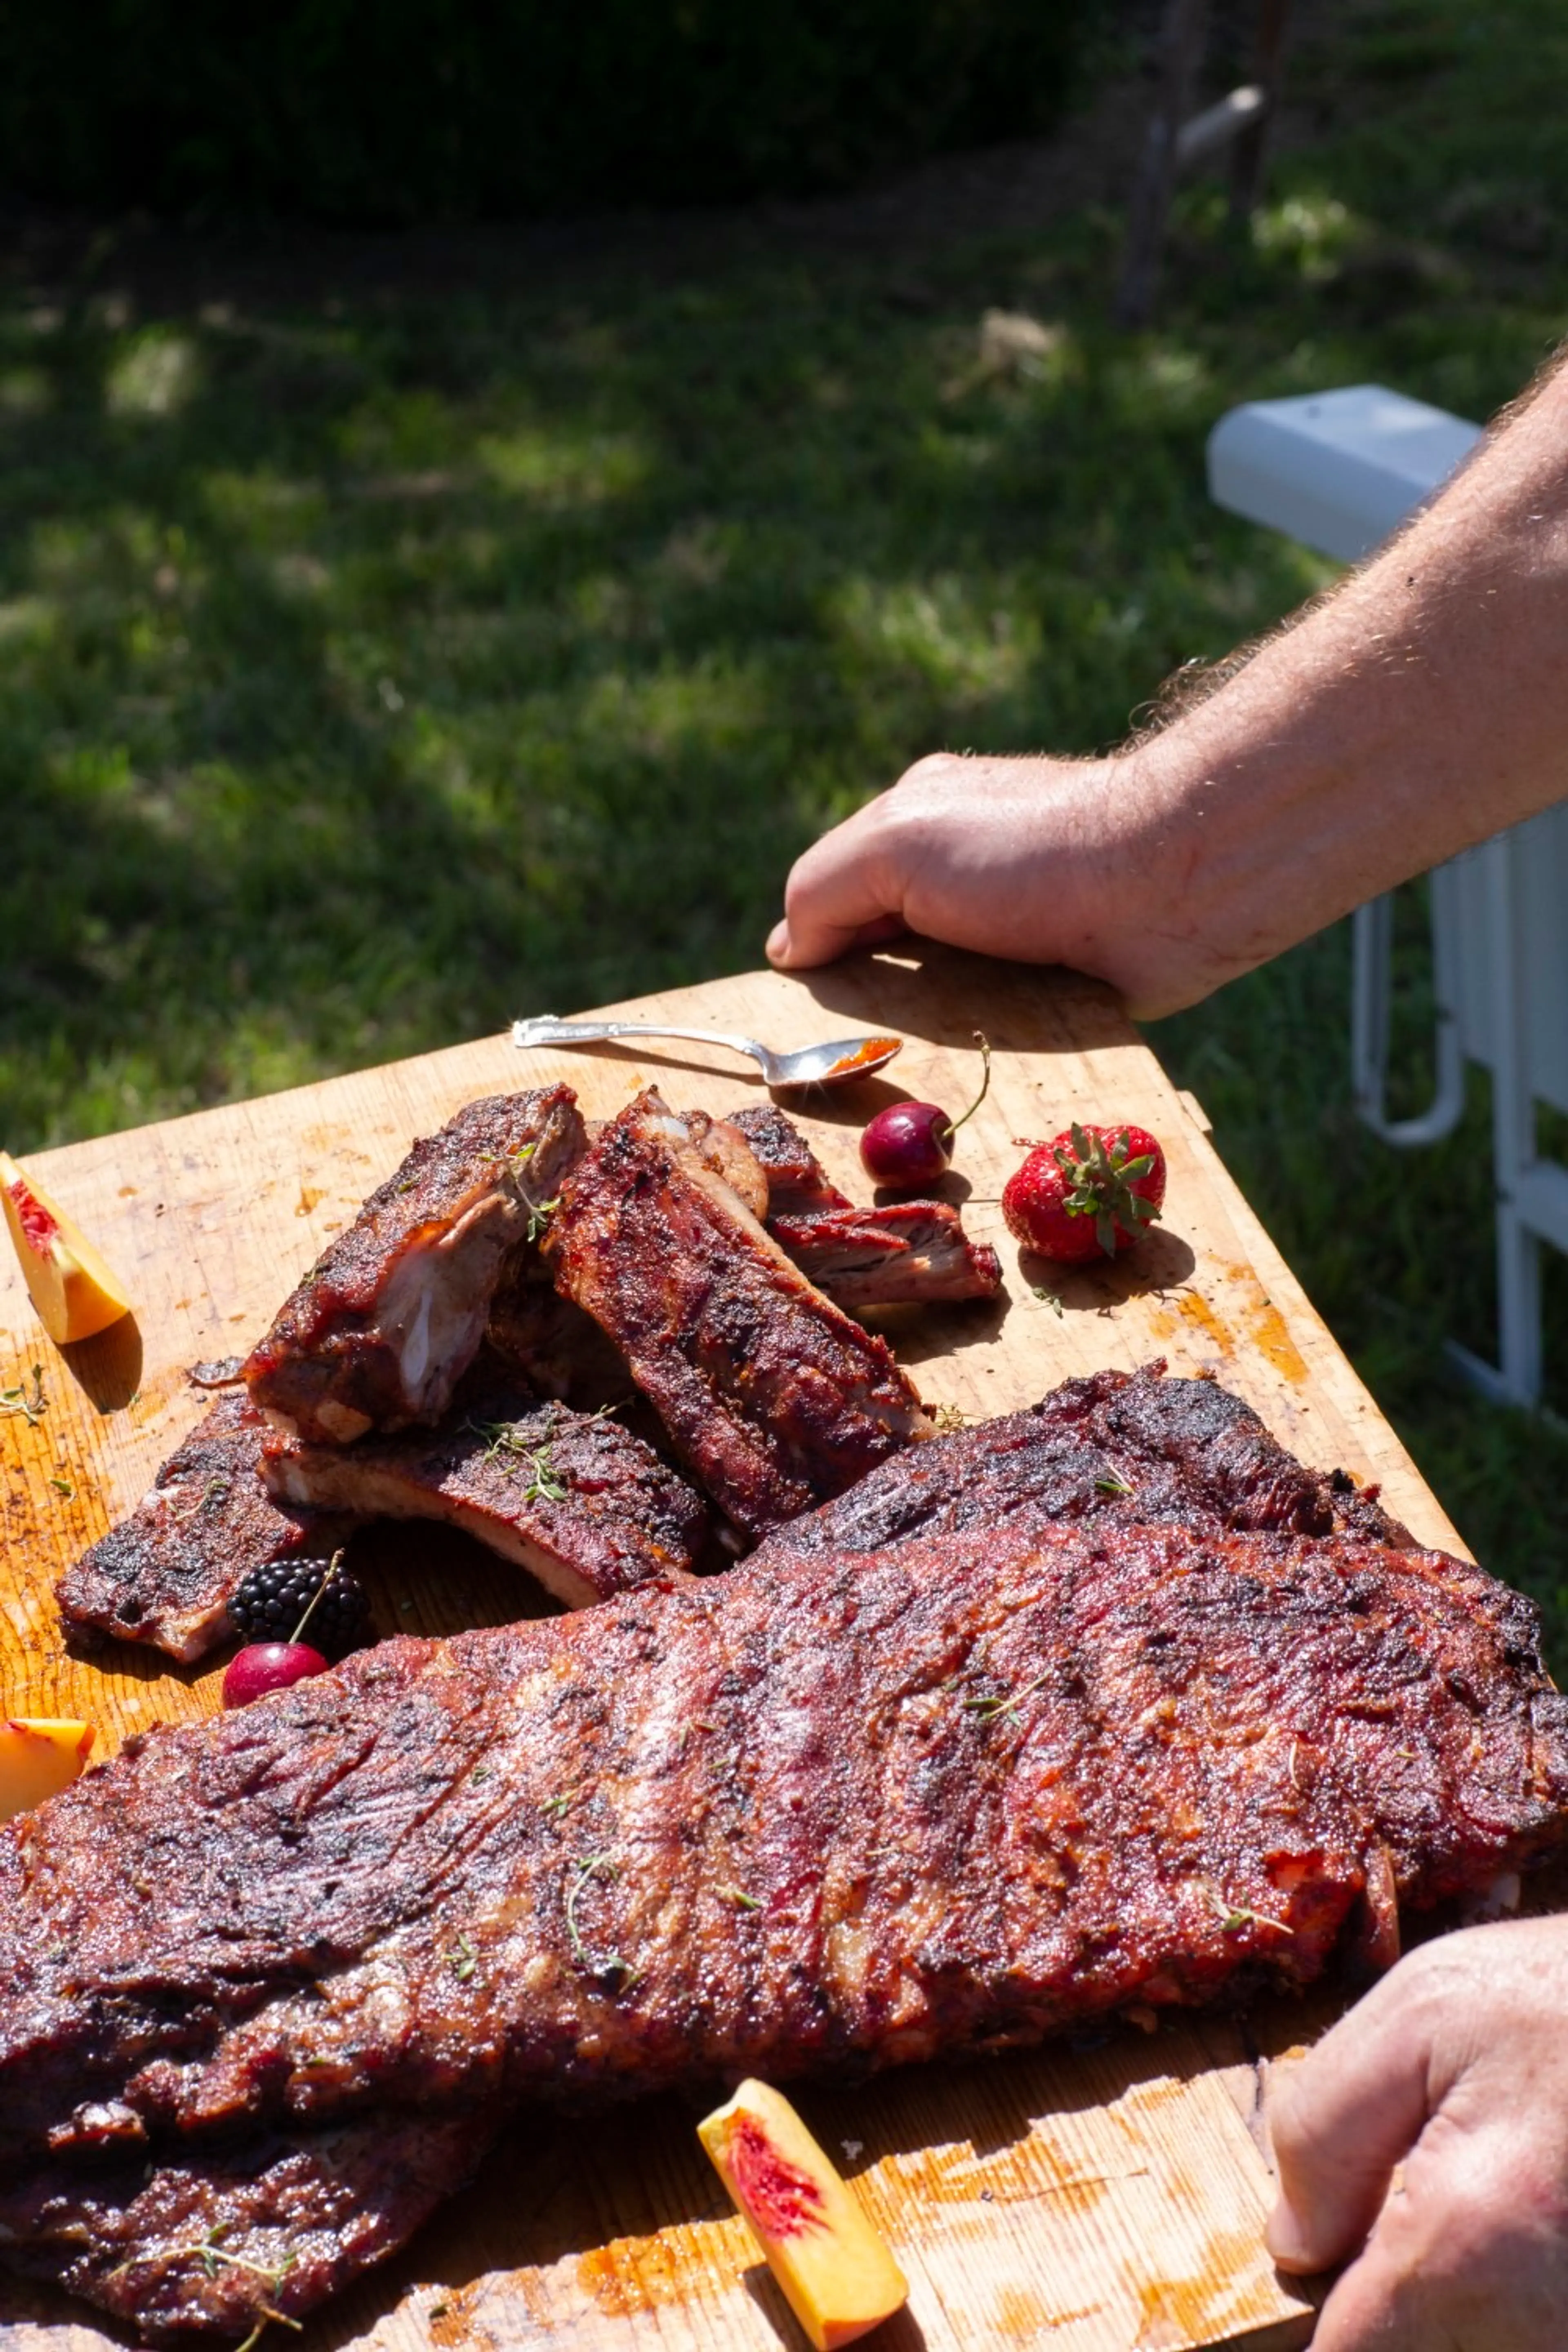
573,1498
798,1185
165,1574
389,1317
772,1394
905,1253
1135,1445
843,1813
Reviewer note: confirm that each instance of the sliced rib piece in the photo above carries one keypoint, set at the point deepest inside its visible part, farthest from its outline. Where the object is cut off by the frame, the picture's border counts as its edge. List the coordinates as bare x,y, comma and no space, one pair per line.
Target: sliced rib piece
1138,1445
907,1252
578,1500
775,1398
389,1317
845,1812
165,1573
721,1146
798,1184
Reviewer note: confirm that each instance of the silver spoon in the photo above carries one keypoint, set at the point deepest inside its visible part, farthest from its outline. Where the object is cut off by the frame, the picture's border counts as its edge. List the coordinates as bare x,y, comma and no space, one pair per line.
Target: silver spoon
809,1065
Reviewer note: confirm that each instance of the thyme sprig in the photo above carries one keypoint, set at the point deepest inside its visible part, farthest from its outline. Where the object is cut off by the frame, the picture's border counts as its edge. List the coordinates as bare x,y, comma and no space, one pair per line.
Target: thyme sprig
1005,1703
216,1490
539,1215
210,2253
505,1445
32,1407
462,1959
1235,1916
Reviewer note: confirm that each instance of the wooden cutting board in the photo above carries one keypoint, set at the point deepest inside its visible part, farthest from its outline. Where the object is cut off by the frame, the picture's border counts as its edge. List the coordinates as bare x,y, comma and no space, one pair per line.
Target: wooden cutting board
1105,2196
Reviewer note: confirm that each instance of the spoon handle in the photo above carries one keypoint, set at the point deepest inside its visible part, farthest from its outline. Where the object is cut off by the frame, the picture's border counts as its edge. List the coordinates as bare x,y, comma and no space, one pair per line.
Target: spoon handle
547,1031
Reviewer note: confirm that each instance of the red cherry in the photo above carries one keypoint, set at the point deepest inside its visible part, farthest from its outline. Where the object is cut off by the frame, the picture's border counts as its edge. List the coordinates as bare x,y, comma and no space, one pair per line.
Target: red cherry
910,1143
264,1666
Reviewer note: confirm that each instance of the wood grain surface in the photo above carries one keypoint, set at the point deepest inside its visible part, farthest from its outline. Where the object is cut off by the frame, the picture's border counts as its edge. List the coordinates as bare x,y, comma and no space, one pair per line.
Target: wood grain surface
1103,2198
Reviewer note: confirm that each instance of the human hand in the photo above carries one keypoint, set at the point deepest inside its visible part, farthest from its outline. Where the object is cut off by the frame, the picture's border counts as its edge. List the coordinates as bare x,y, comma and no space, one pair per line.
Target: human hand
1049,861
1454,2066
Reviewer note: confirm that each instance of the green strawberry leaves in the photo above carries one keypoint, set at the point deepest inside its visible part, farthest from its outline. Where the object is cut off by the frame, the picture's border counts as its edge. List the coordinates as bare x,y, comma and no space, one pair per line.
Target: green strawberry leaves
1100,1178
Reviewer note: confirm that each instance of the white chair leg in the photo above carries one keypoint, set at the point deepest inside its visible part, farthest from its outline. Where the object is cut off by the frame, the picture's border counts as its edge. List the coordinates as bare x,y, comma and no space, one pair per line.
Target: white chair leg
1372,968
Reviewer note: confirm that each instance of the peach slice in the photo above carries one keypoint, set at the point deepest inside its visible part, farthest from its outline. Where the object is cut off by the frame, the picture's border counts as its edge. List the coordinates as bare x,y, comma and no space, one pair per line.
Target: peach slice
72,1288
39,1755
836,2274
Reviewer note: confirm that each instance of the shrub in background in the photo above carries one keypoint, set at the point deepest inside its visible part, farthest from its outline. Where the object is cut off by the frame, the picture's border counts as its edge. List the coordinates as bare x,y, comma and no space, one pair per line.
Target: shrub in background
395,109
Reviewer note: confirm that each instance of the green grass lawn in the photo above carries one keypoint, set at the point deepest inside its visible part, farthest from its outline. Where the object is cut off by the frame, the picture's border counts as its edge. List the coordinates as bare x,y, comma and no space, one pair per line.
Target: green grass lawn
371,671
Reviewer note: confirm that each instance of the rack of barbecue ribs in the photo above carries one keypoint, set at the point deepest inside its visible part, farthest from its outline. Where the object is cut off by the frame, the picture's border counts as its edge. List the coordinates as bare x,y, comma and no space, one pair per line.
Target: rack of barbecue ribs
270,1983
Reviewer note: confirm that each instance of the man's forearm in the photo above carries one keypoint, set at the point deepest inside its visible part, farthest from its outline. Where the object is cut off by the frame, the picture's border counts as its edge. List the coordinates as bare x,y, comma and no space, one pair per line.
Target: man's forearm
1419,709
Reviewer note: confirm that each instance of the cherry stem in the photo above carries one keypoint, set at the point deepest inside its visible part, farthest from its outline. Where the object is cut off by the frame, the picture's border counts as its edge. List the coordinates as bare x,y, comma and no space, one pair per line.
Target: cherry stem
311,1606
984,1045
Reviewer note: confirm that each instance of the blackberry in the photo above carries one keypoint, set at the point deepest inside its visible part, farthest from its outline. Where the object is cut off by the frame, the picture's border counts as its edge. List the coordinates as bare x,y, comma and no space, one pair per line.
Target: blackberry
270,1603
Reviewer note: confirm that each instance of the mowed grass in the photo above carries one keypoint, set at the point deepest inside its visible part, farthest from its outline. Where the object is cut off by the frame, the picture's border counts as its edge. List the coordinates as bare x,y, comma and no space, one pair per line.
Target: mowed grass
374,669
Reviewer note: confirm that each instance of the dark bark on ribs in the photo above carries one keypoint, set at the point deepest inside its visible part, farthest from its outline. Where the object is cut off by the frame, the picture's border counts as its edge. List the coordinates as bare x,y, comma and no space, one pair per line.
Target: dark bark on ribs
165,1575
548,1342
1136,1445
798,1184
389,1317
170,2246
774,1397
576,1501
817,1814
907,1252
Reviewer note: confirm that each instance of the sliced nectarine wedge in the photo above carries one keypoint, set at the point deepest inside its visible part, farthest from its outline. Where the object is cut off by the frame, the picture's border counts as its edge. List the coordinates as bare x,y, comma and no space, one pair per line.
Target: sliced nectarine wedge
836,2274
39,1755
74,1291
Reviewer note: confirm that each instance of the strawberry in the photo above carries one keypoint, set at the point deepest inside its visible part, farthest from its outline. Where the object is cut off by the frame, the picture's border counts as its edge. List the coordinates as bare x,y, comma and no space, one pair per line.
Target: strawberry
1090,1188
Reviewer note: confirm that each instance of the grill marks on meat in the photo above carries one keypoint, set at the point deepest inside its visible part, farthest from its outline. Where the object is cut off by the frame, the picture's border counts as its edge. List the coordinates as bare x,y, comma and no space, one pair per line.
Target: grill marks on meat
856,1809
1137,1445
389,1317
573,1498
775,1398
904,1251
164,1574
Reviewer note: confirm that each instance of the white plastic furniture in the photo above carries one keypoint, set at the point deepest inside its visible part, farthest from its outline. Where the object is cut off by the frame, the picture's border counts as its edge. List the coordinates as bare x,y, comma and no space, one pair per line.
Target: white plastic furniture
1340,470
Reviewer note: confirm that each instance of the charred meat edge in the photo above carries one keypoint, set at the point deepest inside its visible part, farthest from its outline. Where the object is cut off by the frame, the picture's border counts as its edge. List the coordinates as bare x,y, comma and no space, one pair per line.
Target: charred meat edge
167,1572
